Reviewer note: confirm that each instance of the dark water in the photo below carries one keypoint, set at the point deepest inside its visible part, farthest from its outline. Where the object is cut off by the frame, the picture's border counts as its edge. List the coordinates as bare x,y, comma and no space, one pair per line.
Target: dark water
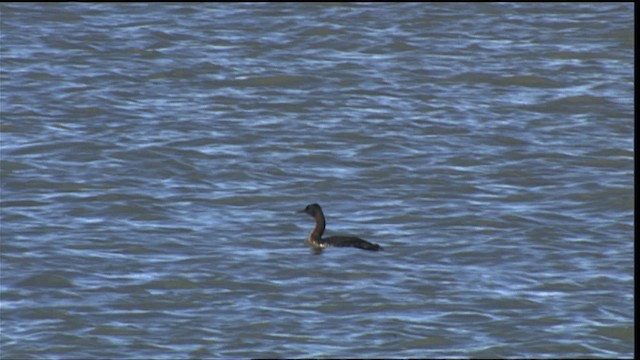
153,157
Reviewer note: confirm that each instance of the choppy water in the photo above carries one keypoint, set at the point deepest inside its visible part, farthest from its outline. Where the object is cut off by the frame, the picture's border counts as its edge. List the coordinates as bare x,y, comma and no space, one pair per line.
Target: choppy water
153,157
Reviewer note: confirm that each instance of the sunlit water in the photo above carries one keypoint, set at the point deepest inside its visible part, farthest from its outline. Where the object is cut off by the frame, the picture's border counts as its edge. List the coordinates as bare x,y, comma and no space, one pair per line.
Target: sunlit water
154,158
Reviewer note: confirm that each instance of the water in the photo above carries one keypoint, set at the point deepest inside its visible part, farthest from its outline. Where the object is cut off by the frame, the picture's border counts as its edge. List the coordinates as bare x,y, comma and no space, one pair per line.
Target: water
153,158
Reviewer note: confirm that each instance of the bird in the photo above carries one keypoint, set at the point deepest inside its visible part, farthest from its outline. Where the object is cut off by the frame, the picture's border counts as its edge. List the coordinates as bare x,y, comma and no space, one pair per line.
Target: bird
316,240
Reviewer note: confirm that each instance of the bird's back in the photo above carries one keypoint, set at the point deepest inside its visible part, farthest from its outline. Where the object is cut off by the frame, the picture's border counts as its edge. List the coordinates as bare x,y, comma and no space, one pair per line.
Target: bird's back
351,241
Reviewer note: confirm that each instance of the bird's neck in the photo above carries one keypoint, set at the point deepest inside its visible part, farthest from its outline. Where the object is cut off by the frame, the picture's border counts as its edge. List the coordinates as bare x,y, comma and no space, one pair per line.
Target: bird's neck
316,233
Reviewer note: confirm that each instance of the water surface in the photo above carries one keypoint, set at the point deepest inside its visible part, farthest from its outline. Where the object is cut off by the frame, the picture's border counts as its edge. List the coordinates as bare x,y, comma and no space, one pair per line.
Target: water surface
153,158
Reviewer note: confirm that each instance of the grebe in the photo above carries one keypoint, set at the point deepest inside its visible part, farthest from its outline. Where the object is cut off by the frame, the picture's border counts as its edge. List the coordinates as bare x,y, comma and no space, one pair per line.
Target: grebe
316,240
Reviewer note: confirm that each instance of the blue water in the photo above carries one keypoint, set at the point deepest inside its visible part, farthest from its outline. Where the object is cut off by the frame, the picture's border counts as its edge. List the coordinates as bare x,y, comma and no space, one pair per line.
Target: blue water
154,156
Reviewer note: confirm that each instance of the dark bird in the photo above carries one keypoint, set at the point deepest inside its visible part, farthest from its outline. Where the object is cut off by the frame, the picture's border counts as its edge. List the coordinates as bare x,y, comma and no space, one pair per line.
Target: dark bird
316,240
